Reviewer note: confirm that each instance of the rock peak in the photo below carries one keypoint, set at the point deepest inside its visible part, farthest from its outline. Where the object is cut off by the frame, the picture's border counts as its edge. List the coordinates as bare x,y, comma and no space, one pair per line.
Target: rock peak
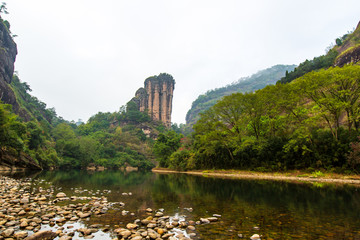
156,96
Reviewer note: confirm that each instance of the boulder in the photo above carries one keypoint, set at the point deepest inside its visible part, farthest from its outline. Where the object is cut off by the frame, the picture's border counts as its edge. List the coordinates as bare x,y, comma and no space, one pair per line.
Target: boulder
42,235
60,195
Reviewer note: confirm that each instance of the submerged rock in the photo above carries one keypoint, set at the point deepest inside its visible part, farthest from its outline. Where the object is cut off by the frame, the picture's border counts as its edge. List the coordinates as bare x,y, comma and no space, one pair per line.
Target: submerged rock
255,237
60,195
42,235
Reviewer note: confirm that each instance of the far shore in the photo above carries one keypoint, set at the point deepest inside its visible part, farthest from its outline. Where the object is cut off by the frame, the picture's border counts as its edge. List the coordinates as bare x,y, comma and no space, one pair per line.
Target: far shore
293,176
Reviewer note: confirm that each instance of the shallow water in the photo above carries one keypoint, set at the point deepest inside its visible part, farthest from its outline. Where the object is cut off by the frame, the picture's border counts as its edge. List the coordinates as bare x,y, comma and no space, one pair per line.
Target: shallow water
274,210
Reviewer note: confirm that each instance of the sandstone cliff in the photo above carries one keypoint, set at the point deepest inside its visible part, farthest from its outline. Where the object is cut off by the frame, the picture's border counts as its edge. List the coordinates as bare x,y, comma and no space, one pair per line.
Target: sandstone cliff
16,162
8,53
351,55
9,160
156,98
349,51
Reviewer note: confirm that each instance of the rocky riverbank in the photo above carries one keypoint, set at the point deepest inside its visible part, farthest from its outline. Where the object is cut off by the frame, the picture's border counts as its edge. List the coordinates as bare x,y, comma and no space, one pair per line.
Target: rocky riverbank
29,211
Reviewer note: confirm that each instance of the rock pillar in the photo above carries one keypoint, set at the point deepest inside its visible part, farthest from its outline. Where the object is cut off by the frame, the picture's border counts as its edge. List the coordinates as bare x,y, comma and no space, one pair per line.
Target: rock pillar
156,98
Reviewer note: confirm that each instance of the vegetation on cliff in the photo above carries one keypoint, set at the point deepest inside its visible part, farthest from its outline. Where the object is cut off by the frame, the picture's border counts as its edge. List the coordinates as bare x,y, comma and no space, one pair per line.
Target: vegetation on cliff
337,55
111,140
309,120
247,84
33,136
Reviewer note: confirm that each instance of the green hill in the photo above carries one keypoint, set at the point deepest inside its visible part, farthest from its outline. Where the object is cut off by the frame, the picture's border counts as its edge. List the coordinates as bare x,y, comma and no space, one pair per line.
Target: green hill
247,84
309,120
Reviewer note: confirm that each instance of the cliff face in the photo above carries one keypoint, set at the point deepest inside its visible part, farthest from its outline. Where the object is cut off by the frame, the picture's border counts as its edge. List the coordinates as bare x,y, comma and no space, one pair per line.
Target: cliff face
156,98
349,51
8,53
17,162
351,55
9,160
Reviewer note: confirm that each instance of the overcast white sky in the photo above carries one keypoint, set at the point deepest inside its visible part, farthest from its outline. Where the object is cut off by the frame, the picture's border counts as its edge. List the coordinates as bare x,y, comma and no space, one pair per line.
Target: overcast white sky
86,56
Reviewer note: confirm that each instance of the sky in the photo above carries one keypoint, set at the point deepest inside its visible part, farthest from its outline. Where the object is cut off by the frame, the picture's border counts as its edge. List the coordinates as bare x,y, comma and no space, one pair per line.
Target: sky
83,56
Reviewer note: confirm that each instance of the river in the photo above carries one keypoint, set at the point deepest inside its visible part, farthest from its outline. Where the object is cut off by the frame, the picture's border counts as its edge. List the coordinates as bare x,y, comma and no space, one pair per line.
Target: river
274,210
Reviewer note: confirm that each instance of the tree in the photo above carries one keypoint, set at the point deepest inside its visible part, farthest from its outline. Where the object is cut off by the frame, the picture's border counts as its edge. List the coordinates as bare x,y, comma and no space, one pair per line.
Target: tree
165,145
35,137
333,91
12,132
3,9
88,149
338,42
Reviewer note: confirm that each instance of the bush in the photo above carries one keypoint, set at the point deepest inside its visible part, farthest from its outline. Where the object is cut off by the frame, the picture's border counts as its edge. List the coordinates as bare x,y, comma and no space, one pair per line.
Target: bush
179,160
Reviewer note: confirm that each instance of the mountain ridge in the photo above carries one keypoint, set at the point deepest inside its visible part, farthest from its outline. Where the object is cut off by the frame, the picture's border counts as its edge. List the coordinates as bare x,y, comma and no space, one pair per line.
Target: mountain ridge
250,83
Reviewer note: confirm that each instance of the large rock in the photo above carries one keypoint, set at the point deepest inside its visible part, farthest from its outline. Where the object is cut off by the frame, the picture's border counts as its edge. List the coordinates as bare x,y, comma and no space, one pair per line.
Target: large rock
123,232
8,232
350,56
255,237
21,235
156,98
131,226
60,195
42,235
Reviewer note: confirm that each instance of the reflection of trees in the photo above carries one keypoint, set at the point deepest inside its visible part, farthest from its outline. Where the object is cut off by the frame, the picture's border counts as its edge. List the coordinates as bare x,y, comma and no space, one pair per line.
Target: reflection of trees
300,198
104,179
21,174
281,208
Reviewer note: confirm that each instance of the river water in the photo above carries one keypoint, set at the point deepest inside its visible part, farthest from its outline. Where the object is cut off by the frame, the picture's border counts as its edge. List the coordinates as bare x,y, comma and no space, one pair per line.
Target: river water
272,209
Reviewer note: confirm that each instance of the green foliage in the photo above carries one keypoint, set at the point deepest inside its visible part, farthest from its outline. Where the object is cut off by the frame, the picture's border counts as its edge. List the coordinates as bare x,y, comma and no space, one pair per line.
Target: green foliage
3,9
12,132
165,145
309,123
111,140
317,174
324,61
353,157
31,106
339,42
17,137
101,142
181,160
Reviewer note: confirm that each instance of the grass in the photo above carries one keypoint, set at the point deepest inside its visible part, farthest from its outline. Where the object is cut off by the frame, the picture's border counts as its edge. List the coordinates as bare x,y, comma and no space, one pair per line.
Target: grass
317,174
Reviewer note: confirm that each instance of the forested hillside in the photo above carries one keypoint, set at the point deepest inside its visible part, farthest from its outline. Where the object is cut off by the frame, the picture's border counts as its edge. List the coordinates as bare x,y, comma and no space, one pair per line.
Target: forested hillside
111,140
309,120
247,84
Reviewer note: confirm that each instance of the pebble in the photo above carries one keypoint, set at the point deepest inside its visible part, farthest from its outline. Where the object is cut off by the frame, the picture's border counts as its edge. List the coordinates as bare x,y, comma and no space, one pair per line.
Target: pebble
8,232
131,226
21,234
191,228
255,237
60,195
204,220
27,211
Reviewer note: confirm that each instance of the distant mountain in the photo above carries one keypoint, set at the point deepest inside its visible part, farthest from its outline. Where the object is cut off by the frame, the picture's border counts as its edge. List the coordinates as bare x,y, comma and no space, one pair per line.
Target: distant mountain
247,84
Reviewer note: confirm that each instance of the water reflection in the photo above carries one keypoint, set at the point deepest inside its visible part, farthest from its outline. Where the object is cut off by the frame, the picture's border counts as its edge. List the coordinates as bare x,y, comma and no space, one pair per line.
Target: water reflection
275,210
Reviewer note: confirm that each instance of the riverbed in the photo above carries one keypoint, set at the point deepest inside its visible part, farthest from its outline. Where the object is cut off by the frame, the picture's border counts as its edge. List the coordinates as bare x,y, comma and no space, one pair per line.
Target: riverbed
242,207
